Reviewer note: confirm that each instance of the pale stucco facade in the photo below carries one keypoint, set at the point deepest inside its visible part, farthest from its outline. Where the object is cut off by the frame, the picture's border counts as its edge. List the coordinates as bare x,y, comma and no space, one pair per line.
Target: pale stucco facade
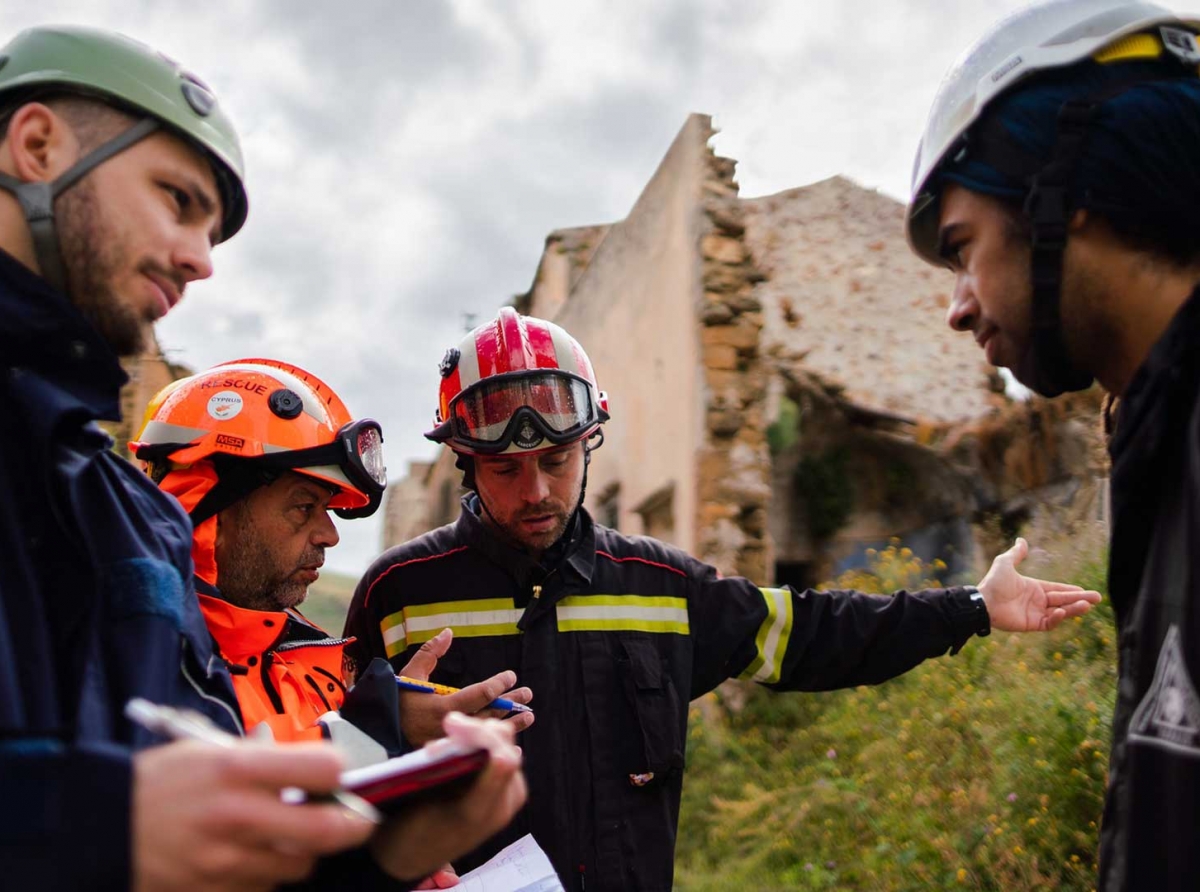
709,318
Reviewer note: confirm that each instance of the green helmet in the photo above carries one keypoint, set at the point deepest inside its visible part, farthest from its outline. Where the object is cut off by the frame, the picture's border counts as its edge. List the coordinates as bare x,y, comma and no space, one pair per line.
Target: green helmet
134,77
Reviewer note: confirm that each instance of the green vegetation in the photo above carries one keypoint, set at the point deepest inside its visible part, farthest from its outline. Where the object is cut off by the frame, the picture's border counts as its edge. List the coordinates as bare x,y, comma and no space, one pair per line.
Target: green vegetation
982,771
328,600
823,484
784,431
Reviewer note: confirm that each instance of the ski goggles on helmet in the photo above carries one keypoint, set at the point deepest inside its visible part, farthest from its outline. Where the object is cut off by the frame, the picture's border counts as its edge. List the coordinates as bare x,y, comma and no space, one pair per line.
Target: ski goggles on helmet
354,460
525,410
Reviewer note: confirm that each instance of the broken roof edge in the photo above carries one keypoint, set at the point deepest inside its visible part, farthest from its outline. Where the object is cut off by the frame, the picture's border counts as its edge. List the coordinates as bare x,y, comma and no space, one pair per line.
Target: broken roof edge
697,121
833,180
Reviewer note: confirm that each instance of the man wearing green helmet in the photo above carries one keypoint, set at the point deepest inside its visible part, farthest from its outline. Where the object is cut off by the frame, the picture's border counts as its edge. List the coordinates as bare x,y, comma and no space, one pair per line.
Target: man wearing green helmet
118,173
1057,179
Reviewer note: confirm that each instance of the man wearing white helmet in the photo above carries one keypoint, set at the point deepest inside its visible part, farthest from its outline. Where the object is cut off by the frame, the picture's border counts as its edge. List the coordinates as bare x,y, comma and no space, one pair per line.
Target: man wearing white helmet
1057,179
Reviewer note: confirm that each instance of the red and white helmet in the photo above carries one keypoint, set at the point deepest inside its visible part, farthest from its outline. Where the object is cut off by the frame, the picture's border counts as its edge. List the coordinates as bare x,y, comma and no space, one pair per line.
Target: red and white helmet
517,384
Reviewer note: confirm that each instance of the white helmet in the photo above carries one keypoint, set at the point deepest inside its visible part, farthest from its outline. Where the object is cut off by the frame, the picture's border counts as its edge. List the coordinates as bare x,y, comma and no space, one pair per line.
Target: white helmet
1036,38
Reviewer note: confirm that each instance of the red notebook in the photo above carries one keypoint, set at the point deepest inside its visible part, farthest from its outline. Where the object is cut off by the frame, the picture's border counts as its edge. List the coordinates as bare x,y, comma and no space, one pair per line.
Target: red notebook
398,782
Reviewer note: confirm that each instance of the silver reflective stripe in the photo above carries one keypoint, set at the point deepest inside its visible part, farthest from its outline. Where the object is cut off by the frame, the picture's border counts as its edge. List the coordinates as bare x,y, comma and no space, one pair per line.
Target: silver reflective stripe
164,432
461,620
469,619
614,613
772,638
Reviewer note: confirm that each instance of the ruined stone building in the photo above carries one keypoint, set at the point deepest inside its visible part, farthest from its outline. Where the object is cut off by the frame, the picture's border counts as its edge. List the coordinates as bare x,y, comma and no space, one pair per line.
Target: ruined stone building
784,390
148,373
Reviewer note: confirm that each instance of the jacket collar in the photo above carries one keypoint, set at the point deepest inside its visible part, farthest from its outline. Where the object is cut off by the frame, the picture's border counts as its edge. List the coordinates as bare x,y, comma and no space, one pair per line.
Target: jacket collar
241,632
1168,374
574,553
43,332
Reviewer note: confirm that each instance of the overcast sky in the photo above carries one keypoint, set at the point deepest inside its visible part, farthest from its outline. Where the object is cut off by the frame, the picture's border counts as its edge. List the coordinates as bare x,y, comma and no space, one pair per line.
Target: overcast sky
407,158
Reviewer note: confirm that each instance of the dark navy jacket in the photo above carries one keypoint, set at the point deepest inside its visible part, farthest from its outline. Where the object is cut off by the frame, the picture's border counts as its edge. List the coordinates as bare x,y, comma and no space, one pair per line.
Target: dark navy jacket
615,635
96,604
1152,810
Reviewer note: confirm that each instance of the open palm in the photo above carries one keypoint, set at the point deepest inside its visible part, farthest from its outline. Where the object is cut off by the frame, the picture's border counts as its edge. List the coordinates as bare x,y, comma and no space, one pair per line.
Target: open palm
1019,603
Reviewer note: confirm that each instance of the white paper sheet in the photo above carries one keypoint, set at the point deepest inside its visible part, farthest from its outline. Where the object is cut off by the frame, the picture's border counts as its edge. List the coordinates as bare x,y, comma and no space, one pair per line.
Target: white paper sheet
522,867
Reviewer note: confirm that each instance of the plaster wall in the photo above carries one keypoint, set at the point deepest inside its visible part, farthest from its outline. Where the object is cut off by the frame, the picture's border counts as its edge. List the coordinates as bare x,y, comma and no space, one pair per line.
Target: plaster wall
633,309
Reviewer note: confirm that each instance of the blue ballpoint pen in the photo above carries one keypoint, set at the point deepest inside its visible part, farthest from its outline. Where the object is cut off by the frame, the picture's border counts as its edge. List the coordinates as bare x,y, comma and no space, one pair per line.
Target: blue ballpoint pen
428,687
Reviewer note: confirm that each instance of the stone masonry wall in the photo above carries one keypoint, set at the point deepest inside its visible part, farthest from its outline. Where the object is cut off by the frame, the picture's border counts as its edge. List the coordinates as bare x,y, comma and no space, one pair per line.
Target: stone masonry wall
733,489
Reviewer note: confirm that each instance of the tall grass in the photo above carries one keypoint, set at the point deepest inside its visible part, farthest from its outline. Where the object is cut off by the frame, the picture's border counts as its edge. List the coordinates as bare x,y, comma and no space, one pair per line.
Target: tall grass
980,771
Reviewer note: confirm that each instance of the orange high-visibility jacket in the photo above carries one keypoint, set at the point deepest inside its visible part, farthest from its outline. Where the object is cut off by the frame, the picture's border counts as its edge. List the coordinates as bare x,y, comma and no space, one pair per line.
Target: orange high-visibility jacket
286,671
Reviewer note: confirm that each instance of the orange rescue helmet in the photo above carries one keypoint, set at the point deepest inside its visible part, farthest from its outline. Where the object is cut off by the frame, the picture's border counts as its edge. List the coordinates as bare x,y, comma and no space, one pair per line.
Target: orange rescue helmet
254,419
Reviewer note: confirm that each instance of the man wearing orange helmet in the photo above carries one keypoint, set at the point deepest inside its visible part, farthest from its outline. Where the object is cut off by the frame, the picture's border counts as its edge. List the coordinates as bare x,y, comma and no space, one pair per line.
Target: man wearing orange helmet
259,452
616,634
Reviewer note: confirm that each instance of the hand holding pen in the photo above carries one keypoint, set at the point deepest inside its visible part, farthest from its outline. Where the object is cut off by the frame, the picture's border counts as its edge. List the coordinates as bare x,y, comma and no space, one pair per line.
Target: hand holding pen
501,704
185,724
421,715
209,813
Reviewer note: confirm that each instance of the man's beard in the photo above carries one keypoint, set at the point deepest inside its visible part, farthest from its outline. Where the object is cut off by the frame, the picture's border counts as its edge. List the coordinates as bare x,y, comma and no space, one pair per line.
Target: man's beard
249,574
510,527
92,256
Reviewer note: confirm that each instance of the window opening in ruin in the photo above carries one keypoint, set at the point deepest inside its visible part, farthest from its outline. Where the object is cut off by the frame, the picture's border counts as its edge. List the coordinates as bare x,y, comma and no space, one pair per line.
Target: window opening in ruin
657,511
608,507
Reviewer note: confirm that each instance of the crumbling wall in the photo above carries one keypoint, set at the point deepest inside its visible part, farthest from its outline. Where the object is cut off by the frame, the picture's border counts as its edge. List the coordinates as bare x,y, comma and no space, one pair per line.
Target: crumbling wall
733,488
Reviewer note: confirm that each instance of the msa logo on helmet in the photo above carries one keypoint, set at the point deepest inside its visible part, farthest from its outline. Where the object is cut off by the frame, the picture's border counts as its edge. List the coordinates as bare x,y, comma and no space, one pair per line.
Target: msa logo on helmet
526,437
225,405
231,442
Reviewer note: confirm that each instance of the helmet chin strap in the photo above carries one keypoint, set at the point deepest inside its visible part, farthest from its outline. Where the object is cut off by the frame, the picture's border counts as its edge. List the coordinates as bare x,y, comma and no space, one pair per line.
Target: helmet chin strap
1045,365
37,199
466,464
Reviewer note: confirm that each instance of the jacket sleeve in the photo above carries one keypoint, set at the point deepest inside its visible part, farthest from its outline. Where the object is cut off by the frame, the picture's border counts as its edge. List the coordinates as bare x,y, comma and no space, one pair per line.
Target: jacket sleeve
819,641
362,626
64,824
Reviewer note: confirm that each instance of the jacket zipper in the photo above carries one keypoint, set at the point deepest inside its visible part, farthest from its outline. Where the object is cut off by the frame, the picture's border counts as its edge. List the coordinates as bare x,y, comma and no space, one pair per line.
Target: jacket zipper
327,642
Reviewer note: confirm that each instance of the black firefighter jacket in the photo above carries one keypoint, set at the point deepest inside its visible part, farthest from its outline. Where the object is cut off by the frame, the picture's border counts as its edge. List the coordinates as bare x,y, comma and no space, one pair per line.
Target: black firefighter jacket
615,635
1151,825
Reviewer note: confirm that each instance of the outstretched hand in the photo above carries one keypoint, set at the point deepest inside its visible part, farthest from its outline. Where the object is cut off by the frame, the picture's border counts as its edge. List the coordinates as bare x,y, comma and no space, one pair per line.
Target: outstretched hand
421,715
1019,603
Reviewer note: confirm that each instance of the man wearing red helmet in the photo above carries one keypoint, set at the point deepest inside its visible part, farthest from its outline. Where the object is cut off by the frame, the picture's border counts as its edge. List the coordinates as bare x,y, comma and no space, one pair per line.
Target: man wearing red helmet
616,634
259,452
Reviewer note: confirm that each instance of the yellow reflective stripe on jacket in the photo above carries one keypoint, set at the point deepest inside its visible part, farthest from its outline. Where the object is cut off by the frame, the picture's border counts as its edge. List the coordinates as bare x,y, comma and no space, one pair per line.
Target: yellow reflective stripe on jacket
623,613
772,638
418,623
